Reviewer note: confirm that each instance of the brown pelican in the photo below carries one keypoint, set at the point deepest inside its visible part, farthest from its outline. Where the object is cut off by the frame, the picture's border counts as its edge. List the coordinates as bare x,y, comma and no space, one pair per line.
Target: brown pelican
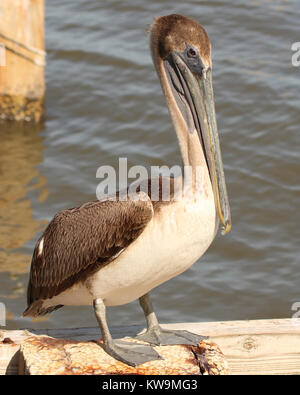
110,252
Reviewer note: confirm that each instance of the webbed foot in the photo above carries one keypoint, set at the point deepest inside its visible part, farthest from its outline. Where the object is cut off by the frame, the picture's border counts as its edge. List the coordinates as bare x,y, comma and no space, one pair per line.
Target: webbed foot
130,353
159,336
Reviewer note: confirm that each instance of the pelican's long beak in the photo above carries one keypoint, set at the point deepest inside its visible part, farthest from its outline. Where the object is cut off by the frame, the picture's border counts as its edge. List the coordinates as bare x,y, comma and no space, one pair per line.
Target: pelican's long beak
193,93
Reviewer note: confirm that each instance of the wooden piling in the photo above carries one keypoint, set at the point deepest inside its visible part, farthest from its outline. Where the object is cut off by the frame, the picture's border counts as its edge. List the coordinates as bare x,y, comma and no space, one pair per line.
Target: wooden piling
22,60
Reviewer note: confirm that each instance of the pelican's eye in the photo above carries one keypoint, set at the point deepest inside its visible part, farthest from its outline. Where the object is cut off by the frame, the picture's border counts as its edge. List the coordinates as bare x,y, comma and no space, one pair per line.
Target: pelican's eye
191,53
193,59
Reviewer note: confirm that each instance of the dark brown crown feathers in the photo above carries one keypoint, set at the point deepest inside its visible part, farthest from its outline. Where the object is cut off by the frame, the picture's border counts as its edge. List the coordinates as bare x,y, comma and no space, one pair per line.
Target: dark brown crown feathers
172,32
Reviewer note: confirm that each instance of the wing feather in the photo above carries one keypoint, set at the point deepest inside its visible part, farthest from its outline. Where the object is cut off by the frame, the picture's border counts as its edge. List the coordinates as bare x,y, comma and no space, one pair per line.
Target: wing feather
79,241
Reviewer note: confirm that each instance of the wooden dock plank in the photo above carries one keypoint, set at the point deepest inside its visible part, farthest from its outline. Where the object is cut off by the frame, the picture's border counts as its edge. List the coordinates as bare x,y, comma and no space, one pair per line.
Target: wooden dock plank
44,355
251,347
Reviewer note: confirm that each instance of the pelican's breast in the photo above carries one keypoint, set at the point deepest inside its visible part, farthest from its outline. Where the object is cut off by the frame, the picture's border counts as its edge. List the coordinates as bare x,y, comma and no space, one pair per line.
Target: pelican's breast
179,234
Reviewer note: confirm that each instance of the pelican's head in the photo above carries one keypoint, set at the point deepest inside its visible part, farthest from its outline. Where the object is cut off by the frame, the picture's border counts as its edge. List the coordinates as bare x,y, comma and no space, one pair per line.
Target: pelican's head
181,53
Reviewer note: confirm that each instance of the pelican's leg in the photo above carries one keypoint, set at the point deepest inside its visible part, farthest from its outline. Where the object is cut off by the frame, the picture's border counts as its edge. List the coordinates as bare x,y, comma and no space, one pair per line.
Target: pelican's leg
159,336
130,353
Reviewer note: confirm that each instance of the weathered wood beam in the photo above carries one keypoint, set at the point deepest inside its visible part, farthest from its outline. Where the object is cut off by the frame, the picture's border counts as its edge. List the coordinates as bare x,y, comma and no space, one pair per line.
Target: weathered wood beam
44,355
250,347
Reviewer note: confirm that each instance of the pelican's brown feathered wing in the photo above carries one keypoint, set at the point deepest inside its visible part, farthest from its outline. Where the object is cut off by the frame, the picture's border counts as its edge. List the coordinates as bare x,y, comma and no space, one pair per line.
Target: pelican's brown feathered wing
79,241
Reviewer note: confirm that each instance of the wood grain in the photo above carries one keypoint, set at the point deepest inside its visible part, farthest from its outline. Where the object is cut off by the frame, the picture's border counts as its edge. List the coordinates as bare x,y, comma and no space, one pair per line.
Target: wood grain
250,347
43,355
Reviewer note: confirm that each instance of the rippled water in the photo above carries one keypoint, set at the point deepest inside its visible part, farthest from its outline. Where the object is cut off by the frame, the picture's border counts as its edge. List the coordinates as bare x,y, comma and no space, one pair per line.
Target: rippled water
104,102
